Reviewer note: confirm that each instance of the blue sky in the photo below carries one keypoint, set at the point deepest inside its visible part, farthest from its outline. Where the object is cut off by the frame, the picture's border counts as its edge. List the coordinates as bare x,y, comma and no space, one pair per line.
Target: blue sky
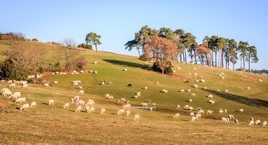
117,21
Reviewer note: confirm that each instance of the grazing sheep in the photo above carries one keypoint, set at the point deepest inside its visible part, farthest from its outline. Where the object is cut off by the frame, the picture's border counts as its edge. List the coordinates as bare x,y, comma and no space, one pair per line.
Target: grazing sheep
191,113
16,95
202,81
78,109
248,87
46,84
236,121
194,118
241,110
108,96
145,88
251,122
13,85
195,85
226,120
193,94
90,102
124,69
264,123
257,122
189,90
190,100
24,106
177,115
66,105
102,111
210,96
72,100
154,104
164,91
20,100
226,90
81,91
90,108
56,82
211,101
95,62
33,104
126,106
220,110
128,113
95,72
76,98
260,80
76,82
181,90
50,102
144,104
120,111
6,92
80,87
178,106
136,117
138,94
209,111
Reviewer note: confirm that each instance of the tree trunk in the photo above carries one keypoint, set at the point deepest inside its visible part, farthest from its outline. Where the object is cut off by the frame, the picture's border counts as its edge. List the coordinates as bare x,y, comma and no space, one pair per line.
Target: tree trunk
216,62
222,58
96,48
233,66
195,57
139,51
249,63
185,57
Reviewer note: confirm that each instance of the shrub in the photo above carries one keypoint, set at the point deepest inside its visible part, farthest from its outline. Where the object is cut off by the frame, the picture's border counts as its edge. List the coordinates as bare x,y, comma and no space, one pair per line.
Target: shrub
143,57
163,68
10,70
86,46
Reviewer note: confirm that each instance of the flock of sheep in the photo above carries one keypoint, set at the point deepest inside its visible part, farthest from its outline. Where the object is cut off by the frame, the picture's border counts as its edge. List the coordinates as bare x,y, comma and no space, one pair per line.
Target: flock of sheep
83,106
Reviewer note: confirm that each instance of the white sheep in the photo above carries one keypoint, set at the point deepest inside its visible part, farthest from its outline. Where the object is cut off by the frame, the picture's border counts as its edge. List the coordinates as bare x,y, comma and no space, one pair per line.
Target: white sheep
220,110
195,85
178,106
154,104
125,106
16,95
6,92
102,111
189,90
24,106
251,122
210,96
128,113
211,101
90,108
50,102
190,100
145,88
124,69
33,104
78,109
257,122
90,102
144,104
181,90
226,90
12,85
46,84
76,98
108,96
193,94
209,111
66,105
81,102
164,91
241,110
81,91
136,117
56,82
120,111
264,123
177,115
225,119
20,100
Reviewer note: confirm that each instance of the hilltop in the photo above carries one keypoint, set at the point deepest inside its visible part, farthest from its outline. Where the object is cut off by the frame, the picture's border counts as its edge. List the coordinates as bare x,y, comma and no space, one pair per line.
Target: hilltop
231,90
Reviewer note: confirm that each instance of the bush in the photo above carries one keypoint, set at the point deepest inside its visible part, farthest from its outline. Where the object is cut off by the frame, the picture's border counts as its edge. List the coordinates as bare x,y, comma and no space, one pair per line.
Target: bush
166,69
12,36
10,70
86,46
35,39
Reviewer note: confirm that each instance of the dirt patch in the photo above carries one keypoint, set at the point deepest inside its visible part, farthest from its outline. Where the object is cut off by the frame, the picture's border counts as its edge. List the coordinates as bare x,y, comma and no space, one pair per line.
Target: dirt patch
181,77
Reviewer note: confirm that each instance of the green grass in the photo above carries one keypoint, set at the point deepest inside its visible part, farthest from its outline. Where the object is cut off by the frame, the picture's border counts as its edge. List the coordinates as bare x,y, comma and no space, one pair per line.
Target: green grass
54,125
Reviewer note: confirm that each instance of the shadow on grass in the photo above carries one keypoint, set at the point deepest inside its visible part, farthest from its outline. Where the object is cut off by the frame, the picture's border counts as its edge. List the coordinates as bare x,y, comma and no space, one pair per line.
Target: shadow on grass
127,63
241,99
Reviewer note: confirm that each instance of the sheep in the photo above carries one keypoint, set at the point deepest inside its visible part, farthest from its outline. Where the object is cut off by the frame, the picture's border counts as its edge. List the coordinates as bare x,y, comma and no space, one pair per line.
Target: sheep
102,111
144,104
138,94
124,69
120,111
102,83
13,85
257,122
226,90
56,82
76,98
178,106
33,104
209,111
248,87
80,87
226,120
181,90
195,86
24,106
210,96
193,94
128,113
264,123
189,90
90,102
81,91
194,118
90,108
211,101
145,88
164,91
251,122
136,117
190,100
95,72
20,100
50,102
202,81
236,121
241,110
220,110
66,105
78,109
191,113
76,82
6,92
72,100
46,84
177,115
154,104
260,80
108,96
16,95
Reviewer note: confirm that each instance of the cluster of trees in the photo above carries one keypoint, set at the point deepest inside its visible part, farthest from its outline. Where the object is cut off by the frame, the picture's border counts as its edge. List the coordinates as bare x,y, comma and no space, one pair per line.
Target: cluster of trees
168,45
12,36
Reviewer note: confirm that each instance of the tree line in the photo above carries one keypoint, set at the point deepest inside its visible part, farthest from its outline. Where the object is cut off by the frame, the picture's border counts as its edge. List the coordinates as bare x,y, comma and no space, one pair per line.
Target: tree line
164,46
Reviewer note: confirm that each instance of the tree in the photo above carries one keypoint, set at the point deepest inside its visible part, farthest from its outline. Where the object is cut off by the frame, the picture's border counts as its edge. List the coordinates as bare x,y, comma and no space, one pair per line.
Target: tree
69,43
231,54
242,48
221,43
93,39
251,56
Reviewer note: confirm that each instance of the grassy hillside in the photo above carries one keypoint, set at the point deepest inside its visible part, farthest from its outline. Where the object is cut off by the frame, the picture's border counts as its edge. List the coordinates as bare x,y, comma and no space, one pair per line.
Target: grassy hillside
54,125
